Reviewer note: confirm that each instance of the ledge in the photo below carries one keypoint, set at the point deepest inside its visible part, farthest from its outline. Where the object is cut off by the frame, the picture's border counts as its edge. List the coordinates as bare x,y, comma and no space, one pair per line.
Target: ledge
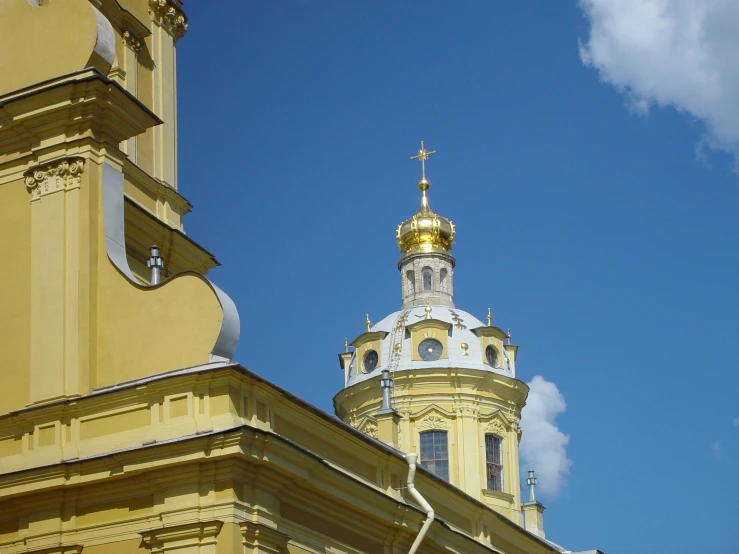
487,493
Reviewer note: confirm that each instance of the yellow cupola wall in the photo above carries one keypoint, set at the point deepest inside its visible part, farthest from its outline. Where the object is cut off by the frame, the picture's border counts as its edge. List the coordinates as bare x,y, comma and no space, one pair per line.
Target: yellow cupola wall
455,399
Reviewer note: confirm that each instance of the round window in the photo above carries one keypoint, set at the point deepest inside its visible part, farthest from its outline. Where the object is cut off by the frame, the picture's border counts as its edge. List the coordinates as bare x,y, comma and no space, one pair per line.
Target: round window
491,355
369,363
430,350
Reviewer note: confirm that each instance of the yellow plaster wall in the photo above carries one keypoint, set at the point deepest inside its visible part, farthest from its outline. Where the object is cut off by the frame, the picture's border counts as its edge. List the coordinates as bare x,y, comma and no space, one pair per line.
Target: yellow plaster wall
130,546
54,39
15,324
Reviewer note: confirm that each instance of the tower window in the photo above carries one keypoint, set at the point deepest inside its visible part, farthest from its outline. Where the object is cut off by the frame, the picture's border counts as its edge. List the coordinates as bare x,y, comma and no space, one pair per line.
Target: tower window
443,282
410,279
491,356
493,462
427,276
435,454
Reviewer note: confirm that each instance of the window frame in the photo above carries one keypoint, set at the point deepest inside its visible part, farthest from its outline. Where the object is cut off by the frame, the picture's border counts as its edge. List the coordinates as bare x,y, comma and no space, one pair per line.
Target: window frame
494,468
438,466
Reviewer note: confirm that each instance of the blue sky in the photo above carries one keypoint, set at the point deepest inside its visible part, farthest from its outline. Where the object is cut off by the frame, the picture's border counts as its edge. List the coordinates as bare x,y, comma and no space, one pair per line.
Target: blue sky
601,232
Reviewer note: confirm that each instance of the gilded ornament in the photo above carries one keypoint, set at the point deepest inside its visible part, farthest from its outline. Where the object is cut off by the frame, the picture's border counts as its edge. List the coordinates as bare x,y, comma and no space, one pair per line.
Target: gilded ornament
367,323
61,175
425,231
464,346
490,318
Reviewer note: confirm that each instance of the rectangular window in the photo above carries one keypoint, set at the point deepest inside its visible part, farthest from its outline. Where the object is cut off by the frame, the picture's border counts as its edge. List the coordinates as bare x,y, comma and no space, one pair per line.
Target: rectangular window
435,454
493,459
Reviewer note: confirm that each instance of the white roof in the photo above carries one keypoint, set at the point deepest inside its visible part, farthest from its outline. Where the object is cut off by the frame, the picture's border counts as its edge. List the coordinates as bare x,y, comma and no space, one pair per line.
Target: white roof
460,332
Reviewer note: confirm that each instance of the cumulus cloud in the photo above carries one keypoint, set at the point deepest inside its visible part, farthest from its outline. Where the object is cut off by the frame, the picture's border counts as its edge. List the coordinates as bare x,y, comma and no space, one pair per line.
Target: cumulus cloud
679,53
543,445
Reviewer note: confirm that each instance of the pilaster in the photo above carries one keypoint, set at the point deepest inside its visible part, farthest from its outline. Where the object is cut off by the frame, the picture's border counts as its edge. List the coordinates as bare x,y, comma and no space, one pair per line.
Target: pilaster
56,229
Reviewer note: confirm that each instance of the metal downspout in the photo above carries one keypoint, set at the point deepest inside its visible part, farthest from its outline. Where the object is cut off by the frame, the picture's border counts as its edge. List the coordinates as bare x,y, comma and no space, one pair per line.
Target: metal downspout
411,459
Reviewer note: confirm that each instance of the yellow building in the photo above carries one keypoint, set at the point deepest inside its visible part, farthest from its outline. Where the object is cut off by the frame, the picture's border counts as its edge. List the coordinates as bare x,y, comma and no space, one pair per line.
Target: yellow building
126,427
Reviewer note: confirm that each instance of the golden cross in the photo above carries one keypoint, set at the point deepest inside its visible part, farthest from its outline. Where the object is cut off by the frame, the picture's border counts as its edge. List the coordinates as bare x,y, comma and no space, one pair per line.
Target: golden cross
422,156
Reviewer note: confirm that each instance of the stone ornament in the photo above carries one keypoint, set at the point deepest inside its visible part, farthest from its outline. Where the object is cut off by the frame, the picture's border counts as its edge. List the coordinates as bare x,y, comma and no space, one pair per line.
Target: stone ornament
130,40
369,428
495,427
433,420
172,19
60,175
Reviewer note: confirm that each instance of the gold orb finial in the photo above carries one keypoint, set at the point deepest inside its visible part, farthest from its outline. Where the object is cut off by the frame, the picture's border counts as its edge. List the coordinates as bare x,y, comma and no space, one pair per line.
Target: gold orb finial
427,309
490,318
367,323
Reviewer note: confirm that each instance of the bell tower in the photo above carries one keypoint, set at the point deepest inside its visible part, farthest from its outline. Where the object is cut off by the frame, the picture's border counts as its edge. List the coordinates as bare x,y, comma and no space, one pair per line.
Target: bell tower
448,380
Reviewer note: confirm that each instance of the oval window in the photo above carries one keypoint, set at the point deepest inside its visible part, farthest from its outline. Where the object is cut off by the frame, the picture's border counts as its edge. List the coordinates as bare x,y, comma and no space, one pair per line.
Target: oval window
491,355
369,363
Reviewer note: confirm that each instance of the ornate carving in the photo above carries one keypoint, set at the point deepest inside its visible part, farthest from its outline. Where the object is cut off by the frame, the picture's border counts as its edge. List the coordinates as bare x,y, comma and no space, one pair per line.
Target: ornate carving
174,20
130,40
433,420
61,175
369,428
495,427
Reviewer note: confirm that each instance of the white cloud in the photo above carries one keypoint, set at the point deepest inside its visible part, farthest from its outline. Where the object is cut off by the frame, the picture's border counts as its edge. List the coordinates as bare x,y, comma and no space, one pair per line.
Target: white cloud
543,445
736,422
716,449
679,53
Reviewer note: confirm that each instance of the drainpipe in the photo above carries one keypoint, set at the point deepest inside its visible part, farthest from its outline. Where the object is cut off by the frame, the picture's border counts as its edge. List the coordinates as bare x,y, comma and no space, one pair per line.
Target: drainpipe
411,459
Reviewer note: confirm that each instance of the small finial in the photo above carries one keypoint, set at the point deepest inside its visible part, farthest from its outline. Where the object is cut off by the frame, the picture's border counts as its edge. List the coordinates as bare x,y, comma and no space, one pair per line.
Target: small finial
464,346
367,323
346,345
490,318
427,309
155,263
509,335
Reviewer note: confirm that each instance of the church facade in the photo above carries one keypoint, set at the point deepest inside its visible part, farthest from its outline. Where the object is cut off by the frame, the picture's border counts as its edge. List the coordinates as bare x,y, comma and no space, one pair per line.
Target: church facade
125,425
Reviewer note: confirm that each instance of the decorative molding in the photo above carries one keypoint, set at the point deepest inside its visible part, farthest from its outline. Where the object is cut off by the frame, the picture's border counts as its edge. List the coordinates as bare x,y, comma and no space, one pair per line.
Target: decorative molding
171,18
66,549
60,175
196,535
495,427
132,41
260,539
433,420
369,427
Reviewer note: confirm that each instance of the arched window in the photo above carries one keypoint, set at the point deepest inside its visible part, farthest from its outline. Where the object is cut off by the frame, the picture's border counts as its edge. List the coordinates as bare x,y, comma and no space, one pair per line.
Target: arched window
435,453
410,279
427,276
443,282
491,356
494,462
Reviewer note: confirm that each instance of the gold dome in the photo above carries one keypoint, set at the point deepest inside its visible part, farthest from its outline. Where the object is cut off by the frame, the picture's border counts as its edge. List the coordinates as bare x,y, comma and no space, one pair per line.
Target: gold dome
425,231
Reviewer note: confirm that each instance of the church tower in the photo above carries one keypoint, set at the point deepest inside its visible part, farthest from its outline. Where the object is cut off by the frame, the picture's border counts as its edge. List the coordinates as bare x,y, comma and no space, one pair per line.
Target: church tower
435,380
